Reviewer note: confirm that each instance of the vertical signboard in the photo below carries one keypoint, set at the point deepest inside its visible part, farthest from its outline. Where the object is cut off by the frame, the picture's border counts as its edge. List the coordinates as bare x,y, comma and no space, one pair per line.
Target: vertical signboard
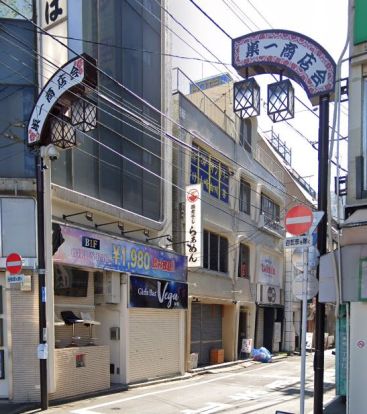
194,227
341,352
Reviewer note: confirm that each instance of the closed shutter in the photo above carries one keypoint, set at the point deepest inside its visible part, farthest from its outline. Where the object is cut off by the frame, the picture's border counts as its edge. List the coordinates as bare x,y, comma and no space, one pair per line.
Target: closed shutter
259,328
154,343
206,330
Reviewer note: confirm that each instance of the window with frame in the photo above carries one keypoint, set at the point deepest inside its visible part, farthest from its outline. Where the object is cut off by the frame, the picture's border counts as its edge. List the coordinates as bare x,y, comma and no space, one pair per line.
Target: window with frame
209,171
269,208
127,172
245,134
244,261
245,197
215,252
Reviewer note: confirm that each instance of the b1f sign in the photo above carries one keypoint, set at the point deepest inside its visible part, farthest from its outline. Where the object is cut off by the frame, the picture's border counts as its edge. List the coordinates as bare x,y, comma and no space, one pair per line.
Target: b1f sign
194,227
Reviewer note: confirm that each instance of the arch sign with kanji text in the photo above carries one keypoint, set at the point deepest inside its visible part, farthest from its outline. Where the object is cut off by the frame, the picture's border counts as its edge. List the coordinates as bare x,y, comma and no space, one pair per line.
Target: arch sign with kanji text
288,53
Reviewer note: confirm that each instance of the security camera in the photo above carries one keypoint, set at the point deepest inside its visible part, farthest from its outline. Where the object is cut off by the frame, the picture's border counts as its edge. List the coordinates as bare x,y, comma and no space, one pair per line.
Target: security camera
50,151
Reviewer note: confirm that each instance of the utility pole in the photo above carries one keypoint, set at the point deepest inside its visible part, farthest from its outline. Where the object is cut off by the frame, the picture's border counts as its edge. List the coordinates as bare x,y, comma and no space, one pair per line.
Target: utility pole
323,155
42,347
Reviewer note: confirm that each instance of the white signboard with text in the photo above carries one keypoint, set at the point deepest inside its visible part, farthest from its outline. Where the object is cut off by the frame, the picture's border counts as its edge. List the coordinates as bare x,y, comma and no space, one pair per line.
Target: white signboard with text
269,270
194,227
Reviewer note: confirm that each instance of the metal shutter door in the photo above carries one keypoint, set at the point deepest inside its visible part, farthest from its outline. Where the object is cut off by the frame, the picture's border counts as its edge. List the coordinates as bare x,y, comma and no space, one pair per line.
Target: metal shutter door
260,328
154,343
206,330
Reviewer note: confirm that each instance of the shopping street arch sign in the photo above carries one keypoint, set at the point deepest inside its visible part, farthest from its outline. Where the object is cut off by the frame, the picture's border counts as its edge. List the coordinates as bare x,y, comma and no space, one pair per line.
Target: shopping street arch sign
288,53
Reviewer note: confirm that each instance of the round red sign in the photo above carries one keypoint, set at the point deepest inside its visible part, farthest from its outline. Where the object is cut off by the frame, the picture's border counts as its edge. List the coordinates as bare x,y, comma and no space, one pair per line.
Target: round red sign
192,195
298,220
14,263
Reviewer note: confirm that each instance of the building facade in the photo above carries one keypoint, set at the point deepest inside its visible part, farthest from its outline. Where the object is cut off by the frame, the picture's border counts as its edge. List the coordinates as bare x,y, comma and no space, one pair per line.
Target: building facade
236,286
110,280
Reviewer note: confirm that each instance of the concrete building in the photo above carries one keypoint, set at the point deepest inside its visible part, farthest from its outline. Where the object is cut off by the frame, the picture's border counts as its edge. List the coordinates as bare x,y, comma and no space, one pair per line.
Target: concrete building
242,207
110,280
347,286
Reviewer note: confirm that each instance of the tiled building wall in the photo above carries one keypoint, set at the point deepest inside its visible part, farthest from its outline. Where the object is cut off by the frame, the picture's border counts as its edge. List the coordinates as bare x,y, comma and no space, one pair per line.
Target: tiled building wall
23,345
72,378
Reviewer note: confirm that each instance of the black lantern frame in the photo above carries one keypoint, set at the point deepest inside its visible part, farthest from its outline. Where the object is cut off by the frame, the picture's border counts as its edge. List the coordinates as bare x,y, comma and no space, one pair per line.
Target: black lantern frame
246,98
280,100
84,114
62,133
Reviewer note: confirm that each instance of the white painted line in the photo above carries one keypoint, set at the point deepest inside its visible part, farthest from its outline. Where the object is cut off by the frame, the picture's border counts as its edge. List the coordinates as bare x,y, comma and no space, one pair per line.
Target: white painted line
140,396
298,220
14,263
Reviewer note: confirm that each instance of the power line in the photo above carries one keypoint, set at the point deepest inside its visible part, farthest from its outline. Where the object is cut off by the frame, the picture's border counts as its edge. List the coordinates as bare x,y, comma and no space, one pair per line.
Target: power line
212,20
155,109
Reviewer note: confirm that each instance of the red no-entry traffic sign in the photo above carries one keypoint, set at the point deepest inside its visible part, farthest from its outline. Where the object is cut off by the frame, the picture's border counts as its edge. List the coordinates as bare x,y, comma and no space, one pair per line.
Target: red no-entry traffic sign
14,263
298,220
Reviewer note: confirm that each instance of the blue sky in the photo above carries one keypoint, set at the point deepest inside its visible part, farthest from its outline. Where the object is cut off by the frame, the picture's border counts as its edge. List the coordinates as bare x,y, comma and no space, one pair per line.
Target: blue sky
325,21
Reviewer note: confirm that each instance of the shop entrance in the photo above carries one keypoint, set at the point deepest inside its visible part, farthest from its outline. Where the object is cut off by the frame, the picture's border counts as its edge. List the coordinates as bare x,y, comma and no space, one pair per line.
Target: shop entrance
4,360
242,332
206,330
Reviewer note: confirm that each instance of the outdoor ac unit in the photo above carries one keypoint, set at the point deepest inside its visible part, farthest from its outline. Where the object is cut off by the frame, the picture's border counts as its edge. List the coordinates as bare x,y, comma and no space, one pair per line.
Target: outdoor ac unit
267,294
111,289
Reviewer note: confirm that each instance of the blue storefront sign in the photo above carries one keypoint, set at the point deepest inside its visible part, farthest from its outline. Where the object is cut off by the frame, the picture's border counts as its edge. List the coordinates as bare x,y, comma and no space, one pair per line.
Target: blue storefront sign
157,293
88,249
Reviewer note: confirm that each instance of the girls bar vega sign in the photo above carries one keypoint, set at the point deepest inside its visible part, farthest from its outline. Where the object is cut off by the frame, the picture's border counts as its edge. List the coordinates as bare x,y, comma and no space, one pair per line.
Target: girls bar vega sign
157,293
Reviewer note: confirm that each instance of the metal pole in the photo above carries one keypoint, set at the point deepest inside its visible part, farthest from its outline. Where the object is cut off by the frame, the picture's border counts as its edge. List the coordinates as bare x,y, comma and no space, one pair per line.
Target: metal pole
41,281
304,329
323,153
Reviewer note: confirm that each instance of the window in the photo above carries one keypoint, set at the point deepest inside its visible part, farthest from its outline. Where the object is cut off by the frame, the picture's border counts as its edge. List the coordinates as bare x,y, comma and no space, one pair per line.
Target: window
269,208
245,134
131,181
70,281
212,173
17,92
245,197
244,261
215,252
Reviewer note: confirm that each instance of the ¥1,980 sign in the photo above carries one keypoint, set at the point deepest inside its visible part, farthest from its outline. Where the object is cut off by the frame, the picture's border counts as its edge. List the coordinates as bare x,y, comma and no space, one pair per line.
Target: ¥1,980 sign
88,249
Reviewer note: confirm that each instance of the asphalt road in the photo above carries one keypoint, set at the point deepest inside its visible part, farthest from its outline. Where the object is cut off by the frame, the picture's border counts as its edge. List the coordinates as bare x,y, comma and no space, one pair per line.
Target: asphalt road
241,389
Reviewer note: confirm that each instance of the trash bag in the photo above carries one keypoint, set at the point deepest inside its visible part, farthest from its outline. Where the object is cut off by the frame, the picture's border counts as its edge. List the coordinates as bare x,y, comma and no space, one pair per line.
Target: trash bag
261,355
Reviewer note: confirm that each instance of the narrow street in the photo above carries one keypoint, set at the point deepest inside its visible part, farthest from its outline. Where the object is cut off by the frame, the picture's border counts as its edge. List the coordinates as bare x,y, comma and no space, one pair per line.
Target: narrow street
255,388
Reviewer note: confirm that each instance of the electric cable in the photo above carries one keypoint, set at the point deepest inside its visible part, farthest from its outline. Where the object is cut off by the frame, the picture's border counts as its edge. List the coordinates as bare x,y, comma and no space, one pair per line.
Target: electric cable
261,178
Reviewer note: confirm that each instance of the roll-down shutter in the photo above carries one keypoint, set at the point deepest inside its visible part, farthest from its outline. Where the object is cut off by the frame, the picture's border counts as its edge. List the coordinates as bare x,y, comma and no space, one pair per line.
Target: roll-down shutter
206,330
154,344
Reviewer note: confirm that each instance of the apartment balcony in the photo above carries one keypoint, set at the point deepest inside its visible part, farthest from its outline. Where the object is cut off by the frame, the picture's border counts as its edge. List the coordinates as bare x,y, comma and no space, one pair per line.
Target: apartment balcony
271,226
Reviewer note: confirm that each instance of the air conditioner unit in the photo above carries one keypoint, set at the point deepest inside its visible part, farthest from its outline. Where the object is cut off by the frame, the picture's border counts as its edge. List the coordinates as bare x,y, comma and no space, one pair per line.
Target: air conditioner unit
268,295
111,290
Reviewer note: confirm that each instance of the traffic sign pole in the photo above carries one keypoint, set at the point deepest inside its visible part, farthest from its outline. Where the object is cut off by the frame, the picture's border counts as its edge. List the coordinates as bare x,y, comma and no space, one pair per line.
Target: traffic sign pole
304,329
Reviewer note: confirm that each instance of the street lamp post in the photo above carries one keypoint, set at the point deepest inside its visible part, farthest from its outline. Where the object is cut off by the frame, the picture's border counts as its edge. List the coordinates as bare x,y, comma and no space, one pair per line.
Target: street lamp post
300,58
49,125
41,281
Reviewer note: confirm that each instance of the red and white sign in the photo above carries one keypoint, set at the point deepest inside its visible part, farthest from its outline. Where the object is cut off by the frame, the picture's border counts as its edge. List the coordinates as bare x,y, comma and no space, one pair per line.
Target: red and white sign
298,220
194,226
14,263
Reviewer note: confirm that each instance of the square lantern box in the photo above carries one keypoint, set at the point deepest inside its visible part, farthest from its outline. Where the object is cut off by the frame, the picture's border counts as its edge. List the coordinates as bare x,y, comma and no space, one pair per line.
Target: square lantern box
246,98
62,132
281,101
84,114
